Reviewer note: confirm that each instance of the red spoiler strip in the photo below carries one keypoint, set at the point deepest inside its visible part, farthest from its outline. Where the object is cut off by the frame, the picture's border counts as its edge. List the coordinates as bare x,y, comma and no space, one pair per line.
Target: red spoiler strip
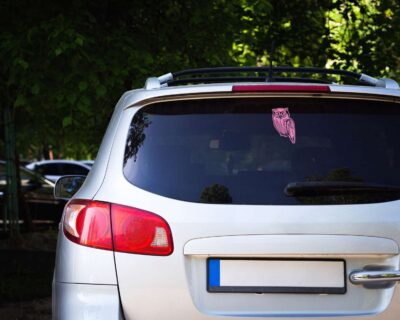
280,88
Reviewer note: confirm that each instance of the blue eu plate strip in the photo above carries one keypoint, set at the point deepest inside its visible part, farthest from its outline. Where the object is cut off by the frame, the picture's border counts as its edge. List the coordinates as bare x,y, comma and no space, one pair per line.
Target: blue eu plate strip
214,272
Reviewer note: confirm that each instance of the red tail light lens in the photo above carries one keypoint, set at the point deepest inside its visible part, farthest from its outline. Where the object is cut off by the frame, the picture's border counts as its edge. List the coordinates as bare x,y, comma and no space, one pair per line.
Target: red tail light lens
280,88
139,231
88,223
133,230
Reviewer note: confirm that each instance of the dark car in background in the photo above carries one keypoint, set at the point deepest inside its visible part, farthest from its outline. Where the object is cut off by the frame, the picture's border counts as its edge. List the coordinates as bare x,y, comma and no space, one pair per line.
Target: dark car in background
54,169
39,203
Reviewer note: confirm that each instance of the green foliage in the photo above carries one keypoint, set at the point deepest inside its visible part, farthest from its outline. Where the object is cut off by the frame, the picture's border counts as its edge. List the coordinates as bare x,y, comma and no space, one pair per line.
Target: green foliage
356,35
364,36
296,28
65,63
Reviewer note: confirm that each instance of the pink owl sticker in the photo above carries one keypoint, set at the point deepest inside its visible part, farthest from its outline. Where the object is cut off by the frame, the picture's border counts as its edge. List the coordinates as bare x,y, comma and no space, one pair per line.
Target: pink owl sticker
284,124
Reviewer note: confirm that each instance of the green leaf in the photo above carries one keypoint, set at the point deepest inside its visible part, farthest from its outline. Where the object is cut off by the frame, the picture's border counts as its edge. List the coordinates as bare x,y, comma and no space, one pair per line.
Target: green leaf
20,101
67,121
35,89
101,91
22,63
71,98
84,105
83,86
79,40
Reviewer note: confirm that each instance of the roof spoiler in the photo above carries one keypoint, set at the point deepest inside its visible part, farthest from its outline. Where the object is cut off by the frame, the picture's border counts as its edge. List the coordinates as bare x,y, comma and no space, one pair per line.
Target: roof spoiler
259,74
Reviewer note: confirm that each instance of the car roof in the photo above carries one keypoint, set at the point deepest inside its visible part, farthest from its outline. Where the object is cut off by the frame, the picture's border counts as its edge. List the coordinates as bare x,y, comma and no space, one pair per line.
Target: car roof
269,74
199,81
78,163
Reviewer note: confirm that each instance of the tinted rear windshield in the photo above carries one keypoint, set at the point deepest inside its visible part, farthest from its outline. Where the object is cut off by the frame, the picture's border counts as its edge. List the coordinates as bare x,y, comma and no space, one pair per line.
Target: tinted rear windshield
278,151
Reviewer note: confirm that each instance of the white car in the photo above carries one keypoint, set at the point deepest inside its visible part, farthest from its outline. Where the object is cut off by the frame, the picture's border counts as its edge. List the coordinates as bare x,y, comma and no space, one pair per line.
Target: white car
54,169
87,162
230,193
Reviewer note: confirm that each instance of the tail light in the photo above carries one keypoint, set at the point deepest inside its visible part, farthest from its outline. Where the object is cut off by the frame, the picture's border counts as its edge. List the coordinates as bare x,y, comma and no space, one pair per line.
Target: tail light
88,223
139,231
114,227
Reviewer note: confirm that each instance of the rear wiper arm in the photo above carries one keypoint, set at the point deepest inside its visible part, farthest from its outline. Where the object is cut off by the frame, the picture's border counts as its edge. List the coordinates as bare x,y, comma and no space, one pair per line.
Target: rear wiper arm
318,188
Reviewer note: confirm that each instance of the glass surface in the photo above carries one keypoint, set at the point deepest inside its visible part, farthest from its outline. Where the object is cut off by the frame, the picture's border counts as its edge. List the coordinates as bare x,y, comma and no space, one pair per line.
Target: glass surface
27,177
51,169
248,150
66,187
61,169
68,168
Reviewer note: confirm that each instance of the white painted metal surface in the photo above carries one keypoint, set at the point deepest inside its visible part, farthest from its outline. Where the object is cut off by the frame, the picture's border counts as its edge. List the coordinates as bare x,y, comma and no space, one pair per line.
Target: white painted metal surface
80,264
88,302
164,279
174,287
292,245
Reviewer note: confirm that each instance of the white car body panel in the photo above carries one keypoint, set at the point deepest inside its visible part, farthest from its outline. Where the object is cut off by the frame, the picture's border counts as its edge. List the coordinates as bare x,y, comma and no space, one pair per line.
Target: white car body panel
175,286
83,301
80,264
291,245
373,220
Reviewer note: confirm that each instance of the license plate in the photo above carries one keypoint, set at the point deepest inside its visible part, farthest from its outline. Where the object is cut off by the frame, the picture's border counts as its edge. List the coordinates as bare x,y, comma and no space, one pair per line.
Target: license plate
276,276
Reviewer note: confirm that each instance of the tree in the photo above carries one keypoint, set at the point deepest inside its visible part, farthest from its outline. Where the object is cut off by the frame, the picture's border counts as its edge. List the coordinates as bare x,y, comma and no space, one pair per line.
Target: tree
68,62
363,36
355,35
64,64
297,29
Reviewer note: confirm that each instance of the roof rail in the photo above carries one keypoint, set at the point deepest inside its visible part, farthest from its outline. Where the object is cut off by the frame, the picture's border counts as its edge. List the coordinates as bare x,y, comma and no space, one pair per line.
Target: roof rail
263,74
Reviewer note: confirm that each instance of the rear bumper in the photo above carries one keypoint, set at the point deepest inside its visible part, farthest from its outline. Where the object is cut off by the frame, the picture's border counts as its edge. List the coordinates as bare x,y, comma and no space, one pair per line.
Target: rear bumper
85,301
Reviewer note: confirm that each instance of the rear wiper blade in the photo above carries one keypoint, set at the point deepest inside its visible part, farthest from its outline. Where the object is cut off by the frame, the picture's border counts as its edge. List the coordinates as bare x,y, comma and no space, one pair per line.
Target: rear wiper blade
318,188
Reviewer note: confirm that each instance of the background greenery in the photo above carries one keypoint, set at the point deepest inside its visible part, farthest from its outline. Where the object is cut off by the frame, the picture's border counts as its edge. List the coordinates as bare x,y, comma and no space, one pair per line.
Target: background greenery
64,64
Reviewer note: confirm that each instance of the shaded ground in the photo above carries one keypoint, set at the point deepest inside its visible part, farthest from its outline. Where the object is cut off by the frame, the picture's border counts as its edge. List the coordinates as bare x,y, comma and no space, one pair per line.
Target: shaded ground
39,309
26,271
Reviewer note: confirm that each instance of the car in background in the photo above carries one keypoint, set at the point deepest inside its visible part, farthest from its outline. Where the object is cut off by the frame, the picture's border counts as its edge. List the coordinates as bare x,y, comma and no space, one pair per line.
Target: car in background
87,162
38,193
54,169
24,163
238,193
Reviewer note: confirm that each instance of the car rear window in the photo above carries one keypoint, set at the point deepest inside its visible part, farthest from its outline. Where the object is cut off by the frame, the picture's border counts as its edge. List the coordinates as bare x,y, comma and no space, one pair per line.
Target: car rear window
277,151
